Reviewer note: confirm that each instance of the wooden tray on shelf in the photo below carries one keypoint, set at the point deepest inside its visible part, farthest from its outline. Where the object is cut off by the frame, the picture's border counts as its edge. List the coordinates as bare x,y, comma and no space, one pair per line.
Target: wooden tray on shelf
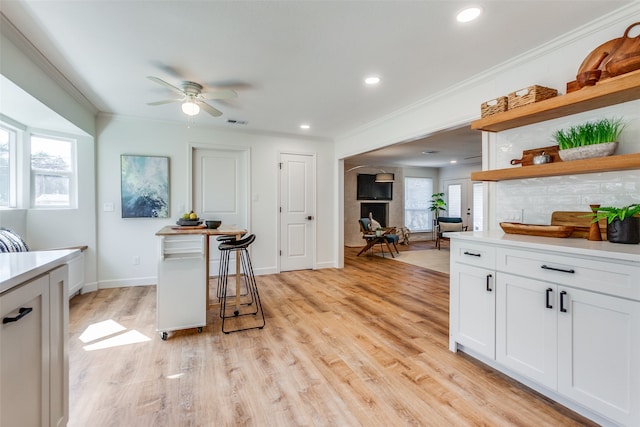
537,230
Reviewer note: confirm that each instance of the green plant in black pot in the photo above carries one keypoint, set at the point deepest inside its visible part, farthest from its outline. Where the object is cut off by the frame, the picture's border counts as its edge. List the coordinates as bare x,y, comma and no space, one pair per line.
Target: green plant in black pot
591,139
623,224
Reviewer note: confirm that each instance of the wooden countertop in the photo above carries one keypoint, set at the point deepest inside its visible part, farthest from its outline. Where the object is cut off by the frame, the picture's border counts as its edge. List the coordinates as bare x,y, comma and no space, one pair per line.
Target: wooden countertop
173,230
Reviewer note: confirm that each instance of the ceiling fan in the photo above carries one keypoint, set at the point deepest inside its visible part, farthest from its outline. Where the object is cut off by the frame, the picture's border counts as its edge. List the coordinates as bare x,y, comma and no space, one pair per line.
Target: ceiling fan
192,97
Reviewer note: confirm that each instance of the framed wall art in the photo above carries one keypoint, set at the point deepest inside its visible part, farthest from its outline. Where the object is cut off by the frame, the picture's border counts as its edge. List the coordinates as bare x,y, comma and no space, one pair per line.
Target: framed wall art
144,186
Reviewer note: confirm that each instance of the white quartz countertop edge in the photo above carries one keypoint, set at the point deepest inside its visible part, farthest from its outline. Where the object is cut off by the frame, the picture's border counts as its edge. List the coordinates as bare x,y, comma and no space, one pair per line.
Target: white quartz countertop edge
575,246
19,267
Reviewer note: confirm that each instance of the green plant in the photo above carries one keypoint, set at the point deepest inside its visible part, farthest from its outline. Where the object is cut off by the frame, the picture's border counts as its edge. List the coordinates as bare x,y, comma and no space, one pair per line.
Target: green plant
612,213
437,204
590,133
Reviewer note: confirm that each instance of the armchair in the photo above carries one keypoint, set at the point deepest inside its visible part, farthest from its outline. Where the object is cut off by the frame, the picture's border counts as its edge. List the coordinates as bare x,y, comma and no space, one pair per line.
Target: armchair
446,224
388,236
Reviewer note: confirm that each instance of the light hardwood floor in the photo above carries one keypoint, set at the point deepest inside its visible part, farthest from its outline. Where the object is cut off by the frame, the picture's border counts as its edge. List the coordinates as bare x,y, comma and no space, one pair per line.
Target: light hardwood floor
361,346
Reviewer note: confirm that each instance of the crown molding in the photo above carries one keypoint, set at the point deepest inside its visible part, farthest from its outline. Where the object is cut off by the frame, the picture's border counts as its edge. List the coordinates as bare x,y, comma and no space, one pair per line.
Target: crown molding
12,33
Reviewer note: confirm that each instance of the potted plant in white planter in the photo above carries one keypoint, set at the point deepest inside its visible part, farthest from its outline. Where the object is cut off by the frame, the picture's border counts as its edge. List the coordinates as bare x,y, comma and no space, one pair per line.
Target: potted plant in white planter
623,226
588,140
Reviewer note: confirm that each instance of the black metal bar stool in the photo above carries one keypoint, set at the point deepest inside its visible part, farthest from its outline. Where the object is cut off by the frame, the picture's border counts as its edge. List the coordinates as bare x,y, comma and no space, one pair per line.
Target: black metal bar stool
241,305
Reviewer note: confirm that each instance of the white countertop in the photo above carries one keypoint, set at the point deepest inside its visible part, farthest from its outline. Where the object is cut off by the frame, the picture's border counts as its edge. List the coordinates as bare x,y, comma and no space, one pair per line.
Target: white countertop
616,251
19,267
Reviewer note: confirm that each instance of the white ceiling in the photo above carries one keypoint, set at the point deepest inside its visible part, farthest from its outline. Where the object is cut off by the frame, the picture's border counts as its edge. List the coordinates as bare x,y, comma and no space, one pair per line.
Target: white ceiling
291,62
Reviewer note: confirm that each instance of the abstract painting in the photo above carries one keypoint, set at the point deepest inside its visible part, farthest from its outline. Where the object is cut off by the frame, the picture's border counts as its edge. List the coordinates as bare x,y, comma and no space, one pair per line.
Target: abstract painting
144,186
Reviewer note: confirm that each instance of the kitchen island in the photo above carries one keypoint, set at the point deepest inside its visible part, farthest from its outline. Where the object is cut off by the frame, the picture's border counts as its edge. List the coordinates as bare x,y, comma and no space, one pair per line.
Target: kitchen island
183,276
34,362
560,315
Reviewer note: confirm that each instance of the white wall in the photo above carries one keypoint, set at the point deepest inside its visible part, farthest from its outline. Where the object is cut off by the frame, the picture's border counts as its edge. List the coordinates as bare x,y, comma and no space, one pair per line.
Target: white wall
46,228
119,240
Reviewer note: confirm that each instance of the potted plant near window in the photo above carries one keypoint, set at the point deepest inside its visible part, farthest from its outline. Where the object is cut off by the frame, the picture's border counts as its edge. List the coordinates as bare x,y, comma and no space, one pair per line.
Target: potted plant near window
588,140
623,224
437,204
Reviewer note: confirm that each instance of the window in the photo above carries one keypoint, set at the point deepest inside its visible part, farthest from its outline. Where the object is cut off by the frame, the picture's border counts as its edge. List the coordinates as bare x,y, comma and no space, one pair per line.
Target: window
454,200
417,197
7,167
478,202
52,172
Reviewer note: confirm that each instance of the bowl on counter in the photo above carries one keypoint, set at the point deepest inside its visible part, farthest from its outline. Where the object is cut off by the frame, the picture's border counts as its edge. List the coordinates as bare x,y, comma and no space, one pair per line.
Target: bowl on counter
213,224
189,222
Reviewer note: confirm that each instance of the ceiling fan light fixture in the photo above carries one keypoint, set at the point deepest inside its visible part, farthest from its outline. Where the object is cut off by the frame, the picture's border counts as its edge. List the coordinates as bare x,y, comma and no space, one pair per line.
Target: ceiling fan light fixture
385,177
190,108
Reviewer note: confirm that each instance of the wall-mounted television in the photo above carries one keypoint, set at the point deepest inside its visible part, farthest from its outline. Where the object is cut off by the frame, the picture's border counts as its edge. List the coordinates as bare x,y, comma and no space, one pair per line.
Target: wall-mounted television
369,189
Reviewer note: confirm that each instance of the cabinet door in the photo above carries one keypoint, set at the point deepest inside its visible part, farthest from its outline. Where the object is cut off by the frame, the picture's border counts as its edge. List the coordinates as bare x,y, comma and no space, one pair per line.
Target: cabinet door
526,328
599,353
472,309
24,355
59,332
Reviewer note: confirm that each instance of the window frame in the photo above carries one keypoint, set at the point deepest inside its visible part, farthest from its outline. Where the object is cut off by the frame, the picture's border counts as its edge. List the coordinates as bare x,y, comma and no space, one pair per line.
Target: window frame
426,209
71,175
13,165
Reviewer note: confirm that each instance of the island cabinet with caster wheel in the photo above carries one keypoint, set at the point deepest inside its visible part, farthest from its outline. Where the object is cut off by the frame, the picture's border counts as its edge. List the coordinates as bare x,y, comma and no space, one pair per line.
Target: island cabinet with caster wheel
182,283
562,316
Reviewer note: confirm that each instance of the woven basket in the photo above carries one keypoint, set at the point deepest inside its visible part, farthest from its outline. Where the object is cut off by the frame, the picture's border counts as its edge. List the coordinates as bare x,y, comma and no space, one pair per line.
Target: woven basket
530,95
494,106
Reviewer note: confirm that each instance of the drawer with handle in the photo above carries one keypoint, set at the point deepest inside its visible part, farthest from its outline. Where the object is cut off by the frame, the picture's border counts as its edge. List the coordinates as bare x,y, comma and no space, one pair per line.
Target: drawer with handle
472,254
612,278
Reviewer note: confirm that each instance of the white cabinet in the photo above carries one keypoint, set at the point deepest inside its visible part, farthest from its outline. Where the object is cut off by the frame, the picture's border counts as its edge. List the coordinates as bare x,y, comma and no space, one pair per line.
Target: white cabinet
566,324
33,352
24,355
526,328
599,353
182,283
472,301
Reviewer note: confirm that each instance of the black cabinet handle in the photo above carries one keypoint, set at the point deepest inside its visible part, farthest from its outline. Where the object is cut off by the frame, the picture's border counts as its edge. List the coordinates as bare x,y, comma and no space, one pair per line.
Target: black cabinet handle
472,254
562,294
546,267
23,311
549,290
489,276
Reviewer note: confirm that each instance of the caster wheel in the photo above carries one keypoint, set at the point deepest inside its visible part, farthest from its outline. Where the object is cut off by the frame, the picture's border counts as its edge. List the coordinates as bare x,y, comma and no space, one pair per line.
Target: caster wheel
200,329
164,336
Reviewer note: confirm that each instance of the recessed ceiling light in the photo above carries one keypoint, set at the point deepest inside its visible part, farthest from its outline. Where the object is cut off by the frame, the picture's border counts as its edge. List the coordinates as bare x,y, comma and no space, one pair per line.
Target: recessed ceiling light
469,14
453,161
304,126
373,80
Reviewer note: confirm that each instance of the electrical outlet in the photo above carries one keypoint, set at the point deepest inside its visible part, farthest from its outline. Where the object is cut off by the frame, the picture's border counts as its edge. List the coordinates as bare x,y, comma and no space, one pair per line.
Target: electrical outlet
136,260
512,216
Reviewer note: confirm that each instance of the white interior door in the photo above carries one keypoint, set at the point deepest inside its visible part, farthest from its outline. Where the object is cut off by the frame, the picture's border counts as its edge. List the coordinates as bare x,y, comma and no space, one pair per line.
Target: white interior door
220,186
297,211
459,200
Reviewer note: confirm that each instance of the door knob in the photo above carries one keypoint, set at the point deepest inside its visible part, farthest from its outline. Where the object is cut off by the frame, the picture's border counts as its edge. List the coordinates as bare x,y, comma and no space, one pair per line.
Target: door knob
310,217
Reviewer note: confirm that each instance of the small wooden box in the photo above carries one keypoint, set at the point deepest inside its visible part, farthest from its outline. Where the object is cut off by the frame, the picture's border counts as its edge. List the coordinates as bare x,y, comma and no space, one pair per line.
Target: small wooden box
493,106
530,95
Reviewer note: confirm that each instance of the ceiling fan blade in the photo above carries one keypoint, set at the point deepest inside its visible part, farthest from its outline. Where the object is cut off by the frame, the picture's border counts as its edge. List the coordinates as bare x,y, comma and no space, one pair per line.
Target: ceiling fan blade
165,84
220,94
166,101
209,109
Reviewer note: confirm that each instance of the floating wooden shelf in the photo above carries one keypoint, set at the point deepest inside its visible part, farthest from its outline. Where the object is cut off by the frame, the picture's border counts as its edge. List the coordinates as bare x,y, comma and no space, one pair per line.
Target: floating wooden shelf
575,167
615,90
